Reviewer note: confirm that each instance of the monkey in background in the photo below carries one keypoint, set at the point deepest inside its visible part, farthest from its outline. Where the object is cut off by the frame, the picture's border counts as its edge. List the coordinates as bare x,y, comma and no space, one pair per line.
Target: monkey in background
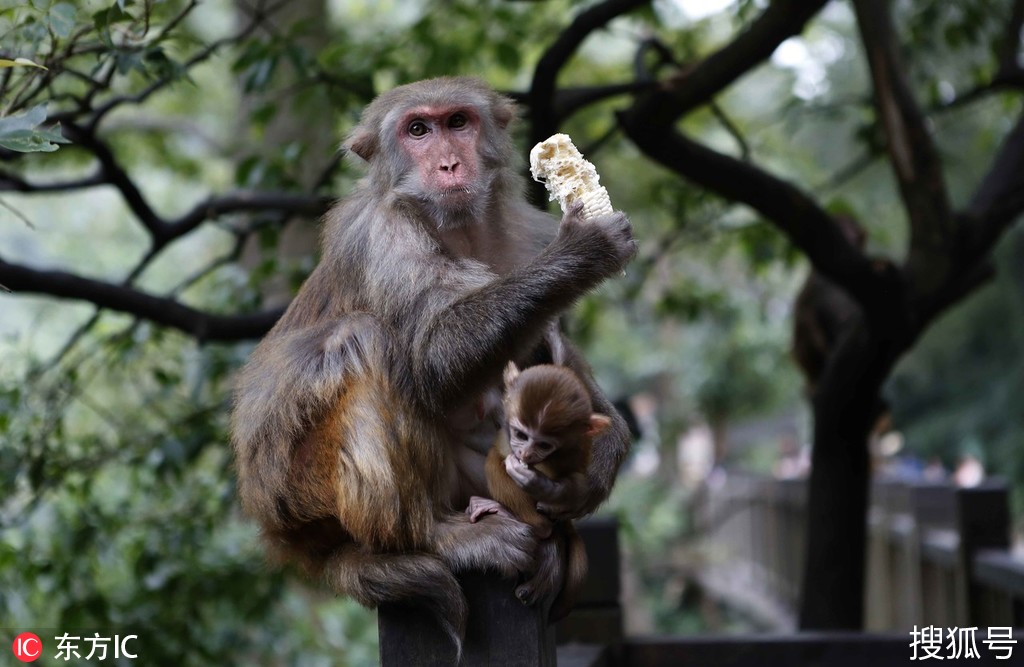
356,439
822,314
550,426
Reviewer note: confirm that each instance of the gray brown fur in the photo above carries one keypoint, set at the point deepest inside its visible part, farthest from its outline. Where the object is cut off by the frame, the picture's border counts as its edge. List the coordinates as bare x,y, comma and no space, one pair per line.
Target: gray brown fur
344,447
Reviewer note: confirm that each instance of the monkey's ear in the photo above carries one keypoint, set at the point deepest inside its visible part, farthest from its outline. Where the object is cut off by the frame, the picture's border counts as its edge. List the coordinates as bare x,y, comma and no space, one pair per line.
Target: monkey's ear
504,111
362,142
511,373
597,425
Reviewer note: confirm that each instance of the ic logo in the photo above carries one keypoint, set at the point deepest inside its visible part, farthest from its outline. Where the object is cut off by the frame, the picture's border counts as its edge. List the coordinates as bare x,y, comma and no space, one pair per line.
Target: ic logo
27,647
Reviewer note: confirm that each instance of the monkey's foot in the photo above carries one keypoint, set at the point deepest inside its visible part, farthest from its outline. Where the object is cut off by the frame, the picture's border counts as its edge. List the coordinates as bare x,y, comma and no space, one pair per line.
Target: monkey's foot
479,506
547,577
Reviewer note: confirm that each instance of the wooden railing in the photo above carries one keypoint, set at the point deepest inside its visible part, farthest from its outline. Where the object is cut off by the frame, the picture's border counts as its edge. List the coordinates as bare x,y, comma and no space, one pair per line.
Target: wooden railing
918,565
937,554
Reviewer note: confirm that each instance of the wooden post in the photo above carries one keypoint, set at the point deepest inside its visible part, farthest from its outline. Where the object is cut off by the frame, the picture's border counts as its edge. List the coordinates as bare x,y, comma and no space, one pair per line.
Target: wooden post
501,630
597,618
983,520
934,506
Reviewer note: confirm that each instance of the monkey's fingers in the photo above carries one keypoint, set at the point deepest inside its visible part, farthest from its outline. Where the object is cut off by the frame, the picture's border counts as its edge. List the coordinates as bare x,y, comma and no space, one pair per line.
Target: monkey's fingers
479,506
531,481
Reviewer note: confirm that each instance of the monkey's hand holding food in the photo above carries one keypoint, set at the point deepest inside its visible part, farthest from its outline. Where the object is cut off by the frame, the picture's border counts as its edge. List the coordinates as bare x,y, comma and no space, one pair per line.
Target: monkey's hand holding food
559,165
574,182
558,499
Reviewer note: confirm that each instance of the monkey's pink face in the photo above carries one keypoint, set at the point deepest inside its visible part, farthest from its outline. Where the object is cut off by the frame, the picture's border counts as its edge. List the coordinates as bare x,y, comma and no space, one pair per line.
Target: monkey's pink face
442,143
529,446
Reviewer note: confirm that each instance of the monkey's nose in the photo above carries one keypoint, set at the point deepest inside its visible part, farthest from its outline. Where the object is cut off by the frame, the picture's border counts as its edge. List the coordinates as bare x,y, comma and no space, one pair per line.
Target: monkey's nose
450,165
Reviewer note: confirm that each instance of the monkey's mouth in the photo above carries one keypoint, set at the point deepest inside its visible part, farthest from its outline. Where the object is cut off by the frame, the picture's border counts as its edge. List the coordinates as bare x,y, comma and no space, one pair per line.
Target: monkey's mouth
452,192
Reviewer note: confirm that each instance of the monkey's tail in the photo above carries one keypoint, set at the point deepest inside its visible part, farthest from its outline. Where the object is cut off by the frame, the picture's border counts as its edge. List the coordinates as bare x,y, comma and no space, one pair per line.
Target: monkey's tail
376,578
575,574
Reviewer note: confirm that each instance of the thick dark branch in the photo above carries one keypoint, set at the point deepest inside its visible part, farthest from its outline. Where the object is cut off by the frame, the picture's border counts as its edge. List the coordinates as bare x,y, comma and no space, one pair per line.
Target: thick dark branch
914,157
570,100
650,124
999,199
161,230
114,174
807,225
780,21
283,202
541,98
203,326
1008,50
645,72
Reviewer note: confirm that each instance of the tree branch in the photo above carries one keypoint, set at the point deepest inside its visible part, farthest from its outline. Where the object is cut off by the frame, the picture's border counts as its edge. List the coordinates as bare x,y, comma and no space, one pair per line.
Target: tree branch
541,99
115,175
100,112
1009,68
551,63
213,207
570,100
10,182
780,21
914,157
999,199
650,124
794,212
205,327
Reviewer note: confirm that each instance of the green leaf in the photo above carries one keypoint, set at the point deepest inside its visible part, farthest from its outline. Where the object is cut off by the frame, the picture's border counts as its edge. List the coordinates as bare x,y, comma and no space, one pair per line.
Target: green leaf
19,62
21,133
26,141
53,134
61,19
24,121
126,61
104,18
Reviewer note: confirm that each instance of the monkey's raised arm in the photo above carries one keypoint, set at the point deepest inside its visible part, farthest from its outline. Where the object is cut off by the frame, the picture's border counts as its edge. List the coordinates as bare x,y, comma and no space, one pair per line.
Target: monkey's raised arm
464,343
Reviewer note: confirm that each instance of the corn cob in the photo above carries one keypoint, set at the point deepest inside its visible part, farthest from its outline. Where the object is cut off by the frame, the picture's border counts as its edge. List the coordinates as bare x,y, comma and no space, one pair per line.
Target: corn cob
568,178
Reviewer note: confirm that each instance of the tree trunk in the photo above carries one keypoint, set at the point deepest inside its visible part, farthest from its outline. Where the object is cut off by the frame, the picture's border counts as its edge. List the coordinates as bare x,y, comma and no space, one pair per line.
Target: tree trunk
846,406
833,579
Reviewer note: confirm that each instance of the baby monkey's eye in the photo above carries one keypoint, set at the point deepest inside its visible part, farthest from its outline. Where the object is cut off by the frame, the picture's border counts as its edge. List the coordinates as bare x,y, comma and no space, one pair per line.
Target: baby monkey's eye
545,446
518,434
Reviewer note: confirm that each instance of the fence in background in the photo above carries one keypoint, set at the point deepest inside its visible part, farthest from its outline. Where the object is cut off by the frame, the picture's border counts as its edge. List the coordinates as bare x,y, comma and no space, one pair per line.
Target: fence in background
937,555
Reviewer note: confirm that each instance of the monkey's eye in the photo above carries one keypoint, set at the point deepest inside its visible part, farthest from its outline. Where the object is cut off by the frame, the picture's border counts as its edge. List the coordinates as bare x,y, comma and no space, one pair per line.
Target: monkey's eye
544,446
518,434
457,121
418,128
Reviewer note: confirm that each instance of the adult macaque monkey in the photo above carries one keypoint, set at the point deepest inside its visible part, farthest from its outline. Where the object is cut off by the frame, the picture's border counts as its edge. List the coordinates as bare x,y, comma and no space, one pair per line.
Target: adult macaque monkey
356,428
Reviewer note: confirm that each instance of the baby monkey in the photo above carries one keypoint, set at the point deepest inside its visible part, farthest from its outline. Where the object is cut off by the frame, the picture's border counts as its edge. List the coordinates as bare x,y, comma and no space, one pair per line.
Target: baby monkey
550,425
